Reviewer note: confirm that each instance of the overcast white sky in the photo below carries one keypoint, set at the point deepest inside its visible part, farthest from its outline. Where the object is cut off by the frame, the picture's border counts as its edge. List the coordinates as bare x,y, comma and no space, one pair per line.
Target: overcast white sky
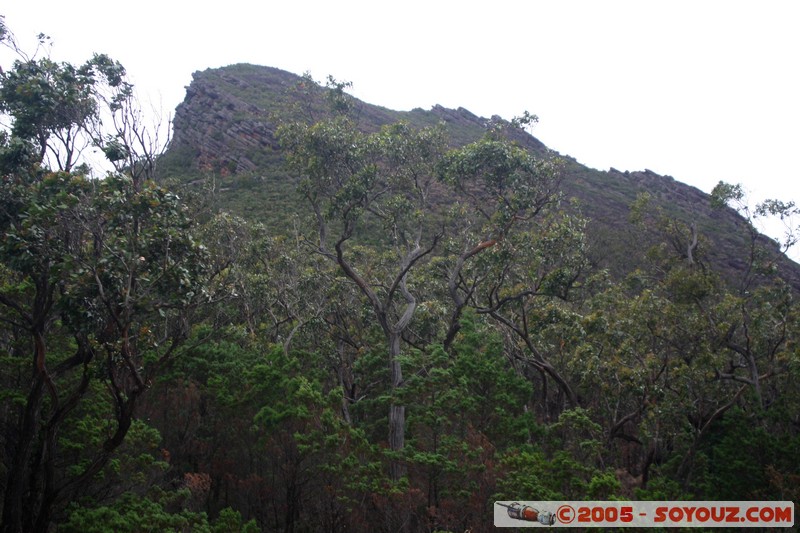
702,90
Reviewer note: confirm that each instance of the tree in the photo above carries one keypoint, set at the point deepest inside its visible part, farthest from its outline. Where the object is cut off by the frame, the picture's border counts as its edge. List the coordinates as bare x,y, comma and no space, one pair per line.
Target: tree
61,111
372,185
97,263
98,275
679,347
513,247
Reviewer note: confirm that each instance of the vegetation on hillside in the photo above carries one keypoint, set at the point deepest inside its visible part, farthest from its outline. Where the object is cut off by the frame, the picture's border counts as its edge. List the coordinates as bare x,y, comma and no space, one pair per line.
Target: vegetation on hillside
428,330
225,137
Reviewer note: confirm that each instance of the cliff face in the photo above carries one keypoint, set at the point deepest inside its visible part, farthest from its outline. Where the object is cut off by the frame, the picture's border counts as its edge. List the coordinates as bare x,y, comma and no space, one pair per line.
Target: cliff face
226,126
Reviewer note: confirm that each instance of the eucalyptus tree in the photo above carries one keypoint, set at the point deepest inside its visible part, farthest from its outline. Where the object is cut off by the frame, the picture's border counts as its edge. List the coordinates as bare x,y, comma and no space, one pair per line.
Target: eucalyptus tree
679,347
96,277
514,246
372,189
62,114
113,269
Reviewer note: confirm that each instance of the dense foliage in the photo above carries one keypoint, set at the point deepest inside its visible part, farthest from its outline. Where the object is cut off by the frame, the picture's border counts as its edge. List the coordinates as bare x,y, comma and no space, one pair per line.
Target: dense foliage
427,337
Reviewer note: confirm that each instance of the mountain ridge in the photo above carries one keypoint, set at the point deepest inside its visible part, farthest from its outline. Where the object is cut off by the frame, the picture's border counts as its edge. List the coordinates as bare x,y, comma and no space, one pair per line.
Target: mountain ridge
226,127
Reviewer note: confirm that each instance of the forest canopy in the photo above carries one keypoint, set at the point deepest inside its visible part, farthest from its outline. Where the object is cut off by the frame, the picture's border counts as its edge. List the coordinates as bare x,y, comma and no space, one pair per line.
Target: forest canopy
428,335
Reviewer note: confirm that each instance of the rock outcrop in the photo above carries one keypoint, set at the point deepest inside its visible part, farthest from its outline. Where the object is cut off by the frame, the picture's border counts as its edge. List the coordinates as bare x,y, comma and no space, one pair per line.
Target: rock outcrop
226,125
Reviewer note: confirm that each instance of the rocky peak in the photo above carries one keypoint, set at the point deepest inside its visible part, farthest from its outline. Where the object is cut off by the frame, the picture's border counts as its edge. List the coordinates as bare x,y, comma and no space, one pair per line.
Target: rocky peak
222,124
226,125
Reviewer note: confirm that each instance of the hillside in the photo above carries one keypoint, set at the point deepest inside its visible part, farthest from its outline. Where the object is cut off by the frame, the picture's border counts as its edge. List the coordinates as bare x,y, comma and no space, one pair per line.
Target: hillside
225,128
366,327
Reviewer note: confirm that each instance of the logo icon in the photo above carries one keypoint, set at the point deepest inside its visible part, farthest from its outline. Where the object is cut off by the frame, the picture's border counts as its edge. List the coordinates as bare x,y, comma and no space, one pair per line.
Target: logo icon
527,513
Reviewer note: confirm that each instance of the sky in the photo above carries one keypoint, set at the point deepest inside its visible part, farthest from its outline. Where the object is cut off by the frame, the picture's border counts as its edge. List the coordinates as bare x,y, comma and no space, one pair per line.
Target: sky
700,90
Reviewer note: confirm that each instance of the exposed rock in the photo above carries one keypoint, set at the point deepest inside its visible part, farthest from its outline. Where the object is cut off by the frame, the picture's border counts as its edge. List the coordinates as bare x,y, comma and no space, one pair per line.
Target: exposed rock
227,124
221,126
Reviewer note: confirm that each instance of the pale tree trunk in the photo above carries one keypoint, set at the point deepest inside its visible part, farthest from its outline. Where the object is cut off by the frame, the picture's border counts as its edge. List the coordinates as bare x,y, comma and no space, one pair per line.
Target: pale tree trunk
397,413
393,333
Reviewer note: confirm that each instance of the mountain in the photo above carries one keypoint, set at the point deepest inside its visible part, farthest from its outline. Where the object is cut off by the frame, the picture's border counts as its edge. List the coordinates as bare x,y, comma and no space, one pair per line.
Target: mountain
225,128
